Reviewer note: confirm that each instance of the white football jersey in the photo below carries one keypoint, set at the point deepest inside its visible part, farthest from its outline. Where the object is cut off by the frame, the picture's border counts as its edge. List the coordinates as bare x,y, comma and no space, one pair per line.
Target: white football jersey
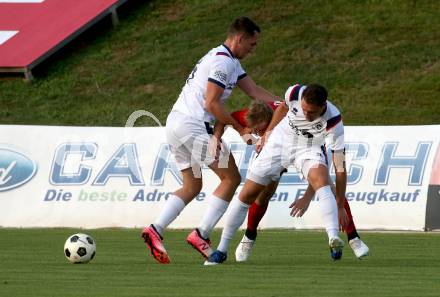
218,66
326,128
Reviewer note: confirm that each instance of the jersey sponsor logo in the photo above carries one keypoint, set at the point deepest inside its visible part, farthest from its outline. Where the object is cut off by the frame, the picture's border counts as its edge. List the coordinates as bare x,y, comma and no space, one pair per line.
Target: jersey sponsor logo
301,132
221,76
16,169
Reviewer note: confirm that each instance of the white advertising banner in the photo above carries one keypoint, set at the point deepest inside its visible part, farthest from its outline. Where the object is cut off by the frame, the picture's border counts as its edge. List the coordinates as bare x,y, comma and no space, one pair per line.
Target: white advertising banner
94,177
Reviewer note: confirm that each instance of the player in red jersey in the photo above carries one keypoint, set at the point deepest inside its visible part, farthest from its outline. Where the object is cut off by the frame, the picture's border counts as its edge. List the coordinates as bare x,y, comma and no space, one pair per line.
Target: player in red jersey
257,117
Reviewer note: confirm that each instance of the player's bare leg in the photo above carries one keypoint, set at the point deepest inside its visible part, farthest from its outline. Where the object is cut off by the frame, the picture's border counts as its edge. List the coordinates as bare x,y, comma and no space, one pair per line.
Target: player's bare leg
229,178
217,204
255,214
235,219
191,186
176,202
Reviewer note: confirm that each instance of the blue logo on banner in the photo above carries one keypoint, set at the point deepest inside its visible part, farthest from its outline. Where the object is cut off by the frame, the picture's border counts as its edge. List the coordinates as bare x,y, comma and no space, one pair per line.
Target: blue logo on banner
16,169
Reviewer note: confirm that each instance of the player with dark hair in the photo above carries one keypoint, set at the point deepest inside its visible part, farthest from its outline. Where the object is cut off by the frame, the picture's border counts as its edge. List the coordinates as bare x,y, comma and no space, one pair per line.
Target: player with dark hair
296,136
189,134
257,117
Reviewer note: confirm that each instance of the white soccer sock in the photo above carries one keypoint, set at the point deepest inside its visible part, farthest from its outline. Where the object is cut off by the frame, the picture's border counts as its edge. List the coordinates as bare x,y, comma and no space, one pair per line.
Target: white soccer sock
216,209
170,212
329,210
237,214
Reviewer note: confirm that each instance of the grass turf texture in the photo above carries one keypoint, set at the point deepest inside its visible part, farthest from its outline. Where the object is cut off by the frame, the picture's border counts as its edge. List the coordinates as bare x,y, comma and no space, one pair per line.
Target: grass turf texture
284,263
379,60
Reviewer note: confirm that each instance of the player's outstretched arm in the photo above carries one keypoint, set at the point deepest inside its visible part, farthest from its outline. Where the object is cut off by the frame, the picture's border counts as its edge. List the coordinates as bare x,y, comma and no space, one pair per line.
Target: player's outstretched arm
254,91
216,107
300,206
278,115
341,184
219,129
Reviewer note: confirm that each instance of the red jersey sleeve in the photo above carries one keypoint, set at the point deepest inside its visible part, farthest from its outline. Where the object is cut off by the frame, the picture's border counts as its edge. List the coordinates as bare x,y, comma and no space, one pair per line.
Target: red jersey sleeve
274,104
240,116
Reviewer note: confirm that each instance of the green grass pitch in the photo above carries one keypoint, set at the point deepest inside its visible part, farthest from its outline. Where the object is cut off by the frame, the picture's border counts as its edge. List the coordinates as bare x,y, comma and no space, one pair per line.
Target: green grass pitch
284,263
378,59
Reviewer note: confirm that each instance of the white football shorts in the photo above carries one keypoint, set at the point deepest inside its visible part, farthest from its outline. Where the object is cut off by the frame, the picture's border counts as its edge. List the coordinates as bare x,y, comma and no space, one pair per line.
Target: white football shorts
279,153
188,139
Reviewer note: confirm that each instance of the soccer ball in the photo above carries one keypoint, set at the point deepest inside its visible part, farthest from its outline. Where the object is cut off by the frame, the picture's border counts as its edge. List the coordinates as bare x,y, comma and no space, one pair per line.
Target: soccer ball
79,248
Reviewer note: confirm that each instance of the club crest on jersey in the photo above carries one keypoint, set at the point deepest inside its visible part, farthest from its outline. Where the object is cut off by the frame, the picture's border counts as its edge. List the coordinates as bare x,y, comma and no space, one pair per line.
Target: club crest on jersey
299,131
318,126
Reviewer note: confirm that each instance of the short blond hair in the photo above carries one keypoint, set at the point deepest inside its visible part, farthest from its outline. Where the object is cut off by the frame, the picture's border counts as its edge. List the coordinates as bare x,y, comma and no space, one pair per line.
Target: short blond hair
258,112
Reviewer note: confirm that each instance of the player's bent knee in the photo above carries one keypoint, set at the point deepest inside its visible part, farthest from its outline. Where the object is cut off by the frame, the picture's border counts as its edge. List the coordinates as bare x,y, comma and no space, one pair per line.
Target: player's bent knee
318,177
192,189
251,190
235,179
231,176
271,187
190,193
264,198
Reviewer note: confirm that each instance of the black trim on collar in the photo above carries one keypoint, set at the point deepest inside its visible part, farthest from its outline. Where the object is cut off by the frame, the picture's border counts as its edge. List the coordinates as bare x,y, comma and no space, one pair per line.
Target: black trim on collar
232,55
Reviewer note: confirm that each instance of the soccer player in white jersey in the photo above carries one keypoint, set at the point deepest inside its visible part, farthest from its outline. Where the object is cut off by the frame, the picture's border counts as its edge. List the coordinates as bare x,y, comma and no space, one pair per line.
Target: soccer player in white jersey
257,118
296,136
189,134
